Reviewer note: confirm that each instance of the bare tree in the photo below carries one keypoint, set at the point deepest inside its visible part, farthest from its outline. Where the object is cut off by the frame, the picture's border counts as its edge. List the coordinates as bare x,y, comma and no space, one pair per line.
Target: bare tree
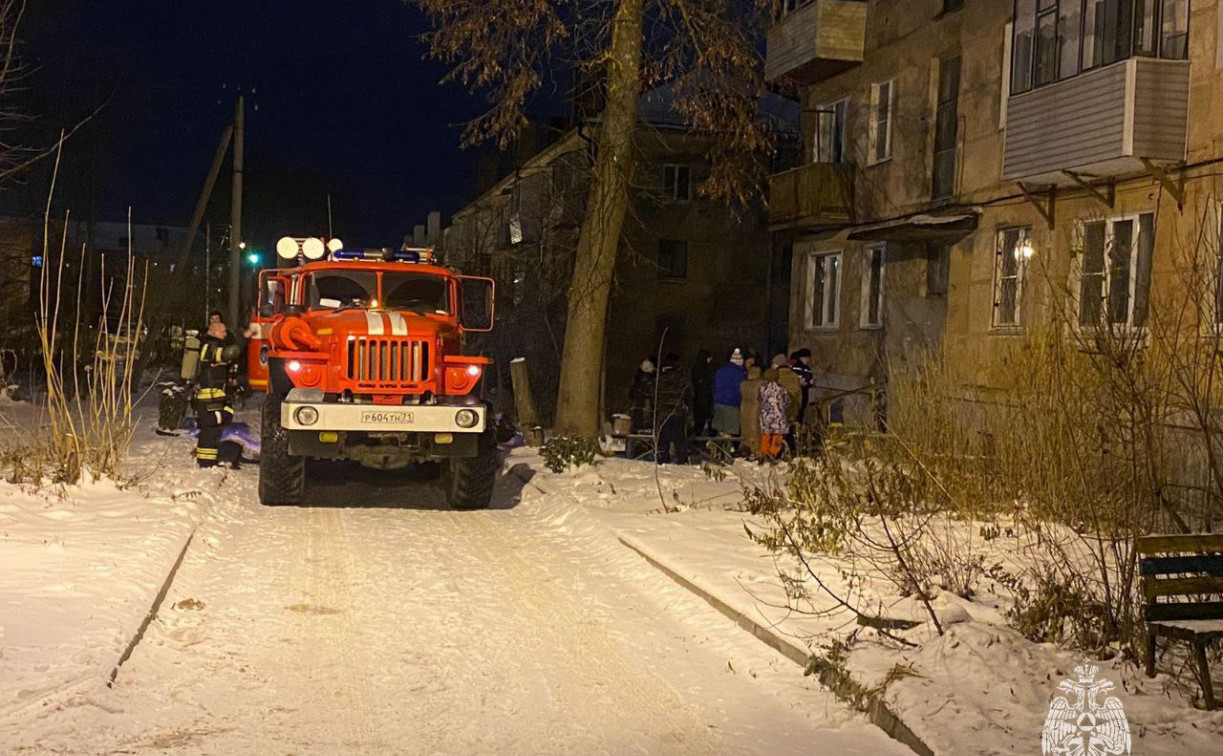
704,51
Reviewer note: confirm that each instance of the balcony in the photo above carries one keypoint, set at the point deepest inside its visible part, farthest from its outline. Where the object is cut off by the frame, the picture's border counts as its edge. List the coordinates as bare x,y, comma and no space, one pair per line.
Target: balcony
1102,123
816,195
816,41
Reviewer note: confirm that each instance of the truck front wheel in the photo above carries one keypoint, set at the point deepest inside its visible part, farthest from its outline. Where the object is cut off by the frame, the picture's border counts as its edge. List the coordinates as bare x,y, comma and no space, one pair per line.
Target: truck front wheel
469,480
282,476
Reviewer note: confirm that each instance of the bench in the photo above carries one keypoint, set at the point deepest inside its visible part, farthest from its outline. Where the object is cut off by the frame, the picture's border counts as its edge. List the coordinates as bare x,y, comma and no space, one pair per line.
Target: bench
1182,582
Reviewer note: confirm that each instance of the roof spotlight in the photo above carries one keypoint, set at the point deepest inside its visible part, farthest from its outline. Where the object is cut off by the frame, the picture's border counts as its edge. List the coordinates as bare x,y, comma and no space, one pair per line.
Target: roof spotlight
287,247
313,248
334,245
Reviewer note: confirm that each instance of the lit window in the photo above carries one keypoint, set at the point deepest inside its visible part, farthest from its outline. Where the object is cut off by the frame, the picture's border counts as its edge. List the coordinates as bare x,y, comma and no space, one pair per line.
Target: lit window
1014,247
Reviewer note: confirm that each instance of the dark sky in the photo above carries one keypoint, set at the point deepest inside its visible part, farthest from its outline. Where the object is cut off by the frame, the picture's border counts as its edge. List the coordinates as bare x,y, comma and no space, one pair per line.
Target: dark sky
343,102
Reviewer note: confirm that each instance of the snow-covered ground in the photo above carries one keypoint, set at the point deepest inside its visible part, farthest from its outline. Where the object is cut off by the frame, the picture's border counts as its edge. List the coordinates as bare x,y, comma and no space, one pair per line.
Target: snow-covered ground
379,621
981,688
374,621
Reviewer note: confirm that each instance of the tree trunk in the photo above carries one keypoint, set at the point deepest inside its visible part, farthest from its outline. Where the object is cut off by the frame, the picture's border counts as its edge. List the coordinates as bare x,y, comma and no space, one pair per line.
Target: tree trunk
577,410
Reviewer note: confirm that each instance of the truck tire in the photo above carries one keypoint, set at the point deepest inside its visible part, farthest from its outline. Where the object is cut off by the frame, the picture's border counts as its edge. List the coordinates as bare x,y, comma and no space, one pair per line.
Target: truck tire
282,477
469,480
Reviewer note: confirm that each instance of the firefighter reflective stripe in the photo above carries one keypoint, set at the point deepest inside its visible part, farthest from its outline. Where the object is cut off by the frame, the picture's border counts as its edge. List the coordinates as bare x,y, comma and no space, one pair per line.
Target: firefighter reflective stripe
206,452
210,393
399,324
373,321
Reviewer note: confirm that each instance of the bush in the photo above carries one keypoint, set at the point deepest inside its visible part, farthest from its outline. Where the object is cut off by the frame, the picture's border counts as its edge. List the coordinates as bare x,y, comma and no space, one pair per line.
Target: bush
565,452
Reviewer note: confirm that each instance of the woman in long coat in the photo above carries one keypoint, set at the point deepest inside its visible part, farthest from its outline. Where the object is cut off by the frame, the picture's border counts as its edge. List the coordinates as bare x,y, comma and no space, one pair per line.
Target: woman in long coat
749,410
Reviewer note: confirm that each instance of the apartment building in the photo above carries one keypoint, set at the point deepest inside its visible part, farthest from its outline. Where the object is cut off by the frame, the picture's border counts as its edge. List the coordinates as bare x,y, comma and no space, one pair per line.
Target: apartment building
691,274
971,167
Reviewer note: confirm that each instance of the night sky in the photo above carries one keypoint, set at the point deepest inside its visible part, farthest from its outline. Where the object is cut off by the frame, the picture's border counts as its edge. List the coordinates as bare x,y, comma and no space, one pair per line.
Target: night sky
343,103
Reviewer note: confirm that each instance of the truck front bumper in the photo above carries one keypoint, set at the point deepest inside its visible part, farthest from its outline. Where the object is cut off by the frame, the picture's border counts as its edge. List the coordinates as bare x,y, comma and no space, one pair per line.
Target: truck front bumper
296,415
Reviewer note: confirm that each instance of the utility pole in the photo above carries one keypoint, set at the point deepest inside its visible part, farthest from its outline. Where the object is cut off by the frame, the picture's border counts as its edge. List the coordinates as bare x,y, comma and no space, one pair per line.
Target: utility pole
234,320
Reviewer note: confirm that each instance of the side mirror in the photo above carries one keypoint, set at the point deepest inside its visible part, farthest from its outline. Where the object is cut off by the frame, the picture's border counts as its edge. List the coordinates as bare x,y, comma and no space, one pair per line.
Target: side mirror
477,303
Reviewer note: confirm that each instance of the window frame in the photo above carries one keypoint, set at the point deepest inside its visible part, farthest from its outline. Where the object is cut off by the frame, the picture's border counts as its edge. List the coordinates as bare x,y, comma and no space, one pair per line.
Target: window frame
1133,272
1020,278
868,274
843,132
814,259
877,105
942,107
671,183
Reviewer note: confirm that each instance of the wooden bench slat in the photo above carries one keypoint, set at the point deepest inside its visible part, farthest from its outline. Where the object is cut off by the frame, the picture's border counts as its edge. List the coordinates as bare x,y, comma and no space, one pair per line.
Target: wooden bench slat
1179,565
1198,543
1189,586
1185,611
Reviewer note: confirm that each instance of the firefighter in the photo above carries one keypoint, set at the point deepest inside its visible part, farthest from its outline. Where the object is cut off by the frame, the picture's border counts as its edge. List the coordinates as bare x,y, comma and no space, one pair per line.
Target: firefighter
213,410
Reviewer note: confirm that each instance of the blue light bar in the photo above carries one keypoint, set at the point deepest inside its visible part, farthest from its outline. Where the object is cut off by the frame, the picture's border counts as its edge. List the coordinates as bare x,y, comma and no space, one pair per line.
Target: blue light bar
356,254
405,256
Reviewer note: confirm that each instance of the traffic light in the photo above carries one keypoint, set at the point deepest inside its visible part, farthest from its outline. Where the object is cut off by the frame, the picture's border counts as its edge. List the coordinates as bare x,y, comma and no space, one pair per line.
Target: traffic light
253,258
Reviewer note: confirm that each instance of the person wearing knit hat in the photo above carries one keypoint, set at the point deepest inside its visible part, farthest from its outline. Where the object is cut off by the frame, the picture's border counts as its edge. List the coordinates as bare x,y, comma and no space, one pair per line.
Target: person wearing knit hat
727,395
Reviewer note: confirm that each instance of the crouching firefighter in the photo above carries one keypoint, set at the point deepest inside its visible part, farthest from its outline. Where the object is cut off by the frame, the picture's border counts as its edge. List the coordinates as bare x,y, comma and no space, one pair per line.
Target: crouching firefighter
213,410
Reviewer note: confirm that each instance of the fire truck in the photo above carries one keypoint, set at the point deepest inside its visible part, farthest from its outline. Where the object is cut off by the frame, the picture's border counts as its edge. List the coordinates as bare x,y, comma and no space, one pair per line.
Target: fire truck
360,352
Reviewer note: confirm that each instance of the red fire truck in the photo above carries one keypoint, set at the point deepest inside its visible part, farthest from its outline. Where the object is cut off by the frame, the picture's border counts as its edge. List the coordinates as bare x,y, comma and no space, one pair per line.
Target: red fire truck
360,352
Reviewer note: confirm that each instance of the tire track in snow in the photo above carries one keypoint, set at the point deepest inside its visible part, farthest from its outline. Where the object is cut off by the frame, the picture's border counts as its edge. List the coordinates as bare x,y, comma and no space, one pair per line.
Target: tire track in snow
585,646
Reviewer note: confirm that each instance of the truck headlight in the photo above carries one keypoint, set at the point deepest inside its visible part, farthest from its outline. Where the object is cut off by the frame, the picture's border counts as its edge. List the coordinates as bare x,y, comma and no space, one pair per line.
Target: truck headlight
466,418
306,415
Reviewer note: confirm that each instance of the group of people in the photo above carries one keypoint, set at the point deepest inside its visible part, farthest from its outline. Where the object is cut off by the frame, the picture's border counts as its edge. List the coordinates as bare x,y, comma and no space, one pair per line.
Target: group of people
761,406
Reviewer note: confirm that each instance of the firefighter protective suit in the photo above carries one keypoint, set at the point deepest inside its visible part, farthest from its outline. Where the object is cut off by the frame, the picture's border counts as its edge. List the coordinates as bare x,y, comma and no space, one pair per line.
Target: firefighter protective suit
213,410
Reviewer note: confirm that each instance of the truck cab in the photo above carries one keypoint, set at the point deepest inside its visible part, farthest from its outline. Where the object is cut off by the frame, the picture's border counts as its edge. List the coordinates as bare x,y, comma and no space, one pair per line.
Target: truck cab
364,357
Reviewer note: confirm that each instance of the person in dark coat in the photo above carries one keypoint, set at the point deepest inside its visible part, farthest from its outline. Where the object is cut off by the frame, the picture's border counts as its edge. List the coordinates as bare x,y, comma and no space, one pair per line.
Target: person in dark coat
674,394
212,407
800,363
702,392
641,395
727,396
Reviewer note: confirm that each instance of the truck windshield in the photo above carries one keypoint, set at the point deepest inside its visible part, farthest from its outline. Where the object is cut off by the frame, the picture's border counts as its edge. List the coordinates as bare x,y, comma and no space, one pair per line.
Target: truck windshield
416,292
334,289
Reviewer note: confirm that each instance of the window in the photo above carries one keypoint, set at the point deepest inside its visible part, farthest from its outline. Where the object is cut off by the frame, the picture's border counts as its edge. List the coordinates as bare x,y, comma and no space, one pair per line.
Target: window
417,293
822,307
938,269
830,132
952,5
1115,271
672,259
677,182
872,287
1014,248
946,128
1056,39
883,104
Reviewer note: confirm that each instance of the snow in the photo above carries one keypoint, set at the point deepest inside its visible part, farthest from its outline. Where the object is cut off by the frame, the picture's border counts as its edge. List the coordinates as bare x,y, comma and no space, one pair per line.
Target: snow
981,688
378,621
375,621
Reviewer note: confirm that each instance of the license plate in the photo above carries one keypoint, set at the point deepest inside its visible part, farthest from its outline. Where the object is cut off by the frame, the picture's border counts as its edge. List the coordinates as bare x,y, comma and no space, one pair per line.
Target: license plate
386,418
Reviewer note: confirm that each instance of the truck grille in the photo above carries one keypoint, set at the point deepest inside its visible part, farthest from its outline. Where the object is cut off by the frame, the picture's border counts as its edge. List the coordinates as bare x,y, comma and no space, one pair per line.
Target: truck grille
388,362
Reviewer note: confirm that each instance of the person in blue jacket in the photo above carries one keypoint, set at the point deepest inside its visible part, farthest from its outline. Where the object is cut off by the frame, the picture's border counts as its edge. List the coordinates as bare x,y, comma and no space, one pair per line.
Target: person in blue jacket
726,395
